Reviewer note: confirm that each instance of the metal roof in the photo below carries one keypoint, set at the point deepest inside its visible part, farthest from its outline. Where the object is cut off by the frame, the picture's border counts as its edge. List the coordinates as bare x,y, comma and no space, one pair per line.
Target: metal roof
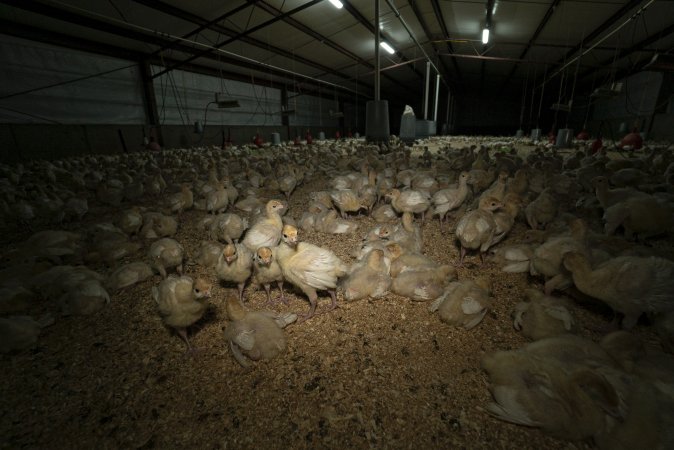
293,42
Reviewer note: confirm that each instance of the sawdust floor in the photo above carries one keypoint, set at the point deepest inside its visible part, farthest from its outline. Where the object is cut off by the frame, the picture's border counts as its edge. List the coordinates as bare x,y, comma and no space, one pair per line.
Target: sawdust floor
380,373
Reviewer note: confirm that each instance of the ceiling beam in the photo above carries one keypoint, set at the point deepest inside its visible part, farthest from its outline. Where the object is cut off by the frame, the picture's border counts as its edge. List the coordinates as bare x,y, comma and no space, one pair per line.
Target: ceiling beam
203,24
638,47
320,38
539,29
627,7
242,34
445,34
370,26
213,25
429,36
151,38
55,38
63,40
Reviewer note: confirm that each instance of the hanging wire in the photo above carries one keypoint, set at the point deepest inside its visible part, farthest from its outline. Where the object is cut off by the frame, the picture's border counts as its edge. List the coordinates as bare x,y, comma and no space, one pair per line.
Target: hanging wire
320,109
573,87
533,95
540,104
62,83
524,97
589,101
357,97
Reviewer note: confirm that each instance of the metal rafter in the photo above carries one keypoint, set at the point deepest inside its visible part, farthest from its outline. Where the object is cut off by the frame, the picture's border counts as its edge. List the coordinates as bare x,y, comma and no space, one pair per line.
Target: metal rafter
539,29
320,38
129,33
173,11
596,32
639,46
368,24
214,25
445,34
429,36
242,34
55,38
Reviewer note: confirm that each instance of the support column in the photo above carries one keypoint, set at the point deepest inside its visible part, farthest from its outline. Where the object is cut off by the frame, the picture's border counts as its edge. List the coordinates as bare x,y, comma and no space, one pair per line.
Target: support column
428,83
151,111
285,117
437,96
376,111
376,52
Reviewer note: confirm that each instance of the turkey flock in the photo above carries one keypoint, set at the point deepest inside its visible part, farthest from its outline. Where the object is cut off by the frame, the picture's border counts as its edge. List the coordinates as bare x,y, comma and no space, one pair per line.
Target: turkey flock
315,229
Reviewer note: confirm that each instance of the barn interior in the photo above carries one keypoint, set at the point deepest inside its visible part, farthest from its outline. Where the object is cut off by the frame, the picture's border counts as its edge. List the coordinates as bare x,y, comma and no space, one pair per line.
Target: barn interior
482,191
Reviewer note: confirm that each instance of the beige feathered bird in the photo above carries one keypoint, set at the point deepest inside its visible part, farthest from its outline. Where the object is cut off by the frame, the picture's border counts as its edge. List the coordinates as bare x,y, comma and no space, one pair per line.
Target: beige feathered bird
423,285
217,200
369,278
328,222
266,232
130,221
86,298
182,200
608,197
547,257
235,264
630,285
543,316
181,302
266,270
208,254
128,275
475,229
310,268
498,189
165,254
257,335
449,199
157,225
464,303
542,210
226,227
414,202
407,234
504,218
567,400
384,213
642,217
403,260
346,201
287,183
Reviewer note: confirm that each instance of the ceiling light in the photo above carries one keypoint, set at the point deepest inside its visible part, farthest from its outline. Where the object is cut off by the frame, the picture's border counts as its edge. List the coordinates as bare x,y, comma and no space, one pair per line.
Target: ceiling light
336,3
387,47
485,35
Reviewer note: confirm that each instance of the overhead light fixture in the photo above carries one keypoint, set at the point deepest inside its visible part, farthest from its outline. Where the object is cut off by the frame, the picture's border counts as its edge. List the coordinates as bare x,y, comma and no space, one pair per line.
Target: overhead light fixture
387,47
485,35
337,4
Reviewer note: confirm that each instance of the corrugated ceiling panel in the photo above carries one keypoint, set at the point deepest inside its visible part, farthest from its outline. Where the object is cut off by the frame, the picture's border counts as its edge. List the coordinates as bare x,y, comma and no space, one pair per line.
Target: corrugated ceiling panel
325,19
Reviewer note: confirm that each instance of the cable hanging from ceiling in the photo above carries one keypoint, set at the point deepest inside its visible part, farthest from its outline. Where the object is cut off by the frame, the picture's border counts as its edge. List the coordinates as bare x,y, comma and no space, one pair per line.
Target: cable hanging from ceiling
196,44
